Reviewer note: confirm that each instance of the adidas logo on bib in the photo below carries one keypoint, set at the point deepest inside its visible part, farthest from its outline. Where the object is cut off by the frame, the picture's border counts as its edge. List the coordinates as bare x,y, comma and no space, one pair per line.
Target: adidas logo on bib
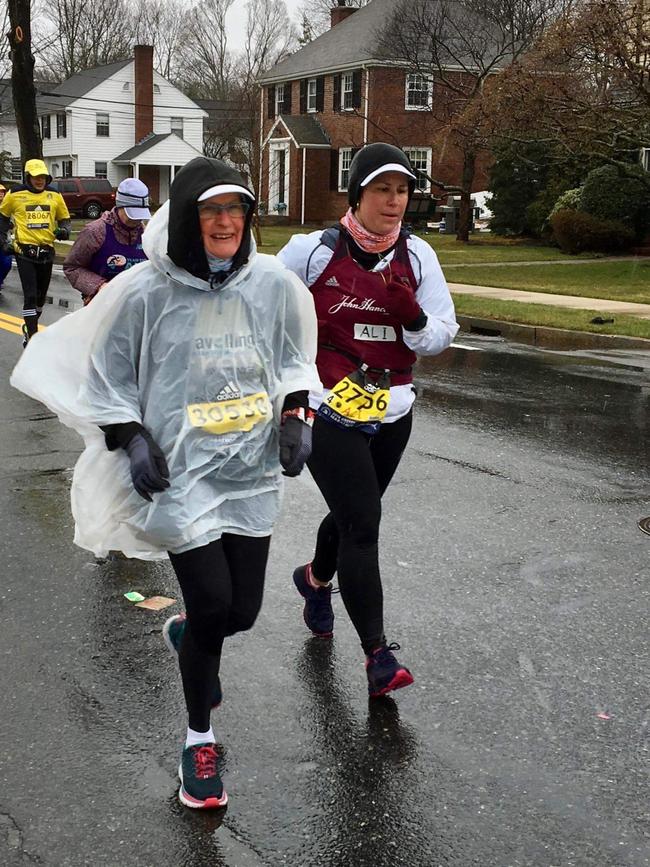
228,392
332,282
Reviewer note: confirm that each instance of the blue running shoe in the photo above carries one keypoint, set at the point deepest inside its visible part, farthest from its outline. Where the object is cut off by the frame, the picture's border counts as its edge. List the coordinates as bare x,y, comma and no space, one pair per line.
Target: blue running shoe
201,786
384,671
317,613
172,632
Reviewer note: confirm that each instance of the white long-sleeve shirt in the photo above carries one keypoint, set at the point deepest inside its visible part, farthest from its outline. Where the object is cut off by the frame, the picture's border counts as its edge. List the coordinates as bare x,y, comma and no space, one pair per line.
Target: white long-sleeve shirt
308,258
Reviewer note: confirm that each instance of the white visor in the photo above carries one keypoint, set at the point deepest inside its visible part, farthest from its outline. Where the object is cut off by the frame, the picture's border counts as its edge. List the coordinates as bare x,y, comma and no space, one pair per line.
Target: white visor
389,167
225,188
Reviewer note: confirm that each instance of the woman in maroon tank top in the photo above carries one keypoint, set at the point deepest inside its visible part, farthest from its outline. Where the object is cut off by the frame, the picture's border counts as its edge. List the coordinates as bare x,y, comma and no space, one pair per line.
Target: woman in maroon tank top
381,300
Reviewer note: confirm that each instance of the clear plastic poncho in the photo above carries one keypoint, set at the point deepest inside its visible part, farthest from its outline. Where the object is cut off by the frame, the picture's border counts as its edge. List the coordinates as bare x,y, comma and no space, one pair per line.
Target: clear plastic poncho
204,370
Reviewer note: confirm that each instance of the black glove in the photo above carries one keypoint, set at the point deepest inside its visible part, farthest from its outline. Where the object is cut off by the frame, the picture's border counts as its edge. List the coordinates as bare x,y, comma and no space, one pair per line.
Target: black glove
62,234
149,471
295,444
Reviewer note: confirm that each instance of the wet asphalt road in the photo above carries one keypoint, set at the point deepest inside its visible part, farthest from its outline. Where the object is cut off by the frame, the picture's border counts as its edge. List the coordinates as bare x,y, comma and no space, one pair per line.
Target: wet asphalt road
515,579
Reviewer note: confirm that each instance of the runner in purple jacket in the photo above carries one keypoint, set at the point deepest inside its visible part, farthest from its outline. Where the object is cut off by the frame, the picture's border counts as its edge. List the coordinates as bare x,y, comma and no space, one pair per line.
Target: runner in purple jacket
111,244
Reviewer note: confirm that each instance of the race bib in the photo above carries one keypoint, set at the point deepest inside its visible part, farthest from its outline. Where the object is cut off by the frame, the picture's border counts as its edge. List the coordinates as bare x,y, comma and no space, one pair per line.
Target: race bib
37,217
359,403
226,416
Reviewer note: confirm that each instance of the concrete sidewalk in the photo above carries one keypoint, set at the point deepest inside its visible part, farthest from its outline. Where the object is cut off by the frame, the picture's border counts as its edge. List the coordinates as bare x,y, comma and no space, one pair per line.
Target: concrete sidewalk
575,301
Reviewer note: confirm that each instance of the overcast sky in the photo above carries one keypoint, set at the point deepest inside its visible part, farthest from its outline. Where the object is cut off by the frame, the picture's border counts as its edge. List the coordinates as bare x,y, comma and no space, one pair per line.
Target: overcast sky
237,18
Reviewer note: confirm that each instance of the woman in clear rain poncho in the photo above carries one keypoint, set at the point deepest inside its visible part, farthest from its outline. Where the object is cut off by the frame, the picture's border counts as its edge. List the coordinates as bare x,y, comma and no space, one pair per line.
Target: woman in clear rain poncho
196,365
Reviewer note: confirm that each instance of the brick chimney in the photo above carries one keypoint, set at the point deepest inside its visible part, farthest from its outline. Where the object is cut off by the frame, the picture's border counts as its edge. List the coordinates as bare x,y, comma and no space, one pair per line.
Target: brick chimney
340,13
143,91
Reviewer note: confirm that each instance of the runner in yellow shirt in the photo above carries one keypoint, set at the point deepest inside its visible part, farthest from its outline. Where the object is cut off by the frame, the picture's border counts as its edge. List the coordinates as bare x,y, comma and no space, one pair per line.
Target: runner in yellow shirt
39,216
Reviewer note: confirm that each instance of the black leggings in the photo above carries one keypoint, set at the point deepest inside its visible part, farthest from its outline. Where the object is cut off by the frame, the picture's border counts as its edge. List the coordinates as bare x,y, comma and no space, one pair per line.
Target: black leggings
222,585
352,471
35,279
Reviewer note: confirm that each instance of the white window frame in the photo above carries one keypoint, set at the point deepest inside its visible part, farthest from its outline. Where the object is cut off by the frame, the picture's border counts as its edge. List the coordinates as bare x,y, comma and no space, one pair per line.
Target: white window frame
16,169
61,121
345,158
274,185
347,90
420,158
279,98
311,94
176,125
46,121
101,172
103,123
419,78
66,168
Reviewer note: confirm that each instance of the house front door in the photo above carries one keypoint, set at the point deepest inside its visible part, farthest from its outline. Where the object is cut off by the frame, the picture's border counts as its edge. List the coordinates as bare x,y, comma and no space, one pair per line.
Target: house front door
279,178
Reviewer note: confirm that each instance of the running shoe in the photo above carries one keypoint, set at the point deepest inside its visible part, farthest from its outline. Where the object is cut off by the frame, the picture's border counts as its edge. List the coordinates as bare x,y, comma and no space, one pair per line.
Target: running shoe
201,786
25,335
384,671
172,632
317,613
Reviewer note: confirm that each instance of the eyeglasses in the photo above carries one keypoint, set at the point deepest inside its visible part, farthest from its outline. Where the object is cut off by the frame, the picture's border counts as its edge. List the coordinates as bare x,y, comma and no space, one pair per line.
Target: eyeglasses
208,210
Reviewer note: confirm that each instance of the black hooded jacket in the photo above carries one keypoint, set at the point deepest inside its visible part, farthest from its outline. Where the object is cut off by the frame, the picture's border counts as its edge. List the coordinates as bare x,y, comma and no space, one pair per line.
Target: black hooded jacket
185,247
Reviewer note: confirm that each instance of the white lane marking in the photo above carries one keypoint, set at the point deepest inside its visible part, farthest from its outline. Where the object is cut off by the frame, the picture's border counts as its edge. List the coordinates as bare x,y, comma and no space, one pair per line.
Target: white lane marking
470,348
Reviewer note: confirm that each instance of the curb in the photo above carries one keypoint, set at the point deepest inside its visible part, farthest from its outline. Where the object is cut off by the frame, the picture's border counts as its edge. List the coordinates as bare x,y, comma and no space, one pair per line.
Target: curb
548,338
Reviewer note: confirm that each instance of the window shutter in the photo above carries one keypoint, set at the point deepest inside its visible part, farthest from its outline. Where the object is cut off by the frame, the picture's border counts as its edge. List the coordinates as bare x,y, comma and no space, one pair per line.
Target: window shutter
286,104
336,102
320,94
356,89
270,101
303,96
334,169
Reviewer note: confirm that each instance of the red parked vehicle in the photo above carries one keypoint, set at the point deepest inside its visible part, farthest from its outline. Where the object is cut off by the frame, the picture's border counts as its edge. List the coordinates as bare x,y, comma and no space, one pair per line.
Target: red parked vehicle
86,197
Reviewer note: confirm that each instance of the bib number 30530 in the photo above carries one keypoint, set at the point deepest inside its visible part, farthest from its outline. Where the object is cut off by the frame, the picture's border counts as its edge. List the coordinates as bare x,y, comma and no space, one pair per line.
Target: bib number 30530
226,416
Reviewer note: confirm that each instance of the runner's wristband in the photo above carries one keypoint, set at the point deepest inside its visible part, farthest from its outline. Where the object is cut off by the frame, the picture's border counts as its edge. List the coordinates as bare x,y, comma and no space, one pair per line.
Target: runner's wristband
306,415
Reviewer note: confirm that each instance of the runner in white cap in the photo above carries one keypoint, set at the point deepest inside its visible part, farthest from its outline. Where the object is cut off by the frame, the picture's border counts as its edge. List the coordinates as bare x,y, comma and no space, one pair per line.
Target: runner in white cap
196,365
111,244
381,300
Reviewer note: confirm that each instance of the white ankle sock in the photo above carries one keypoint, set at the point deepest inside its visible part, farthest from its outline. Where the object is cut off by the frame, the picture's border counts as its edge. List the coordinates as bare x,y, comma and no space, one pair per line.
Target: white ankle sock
194,738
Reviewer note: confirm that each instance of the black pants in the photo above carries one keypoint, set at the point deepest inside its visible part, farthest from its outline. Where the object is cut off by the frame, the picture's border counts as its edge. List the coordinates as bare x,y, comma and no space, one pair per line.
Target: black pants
35,279
352,471
222,585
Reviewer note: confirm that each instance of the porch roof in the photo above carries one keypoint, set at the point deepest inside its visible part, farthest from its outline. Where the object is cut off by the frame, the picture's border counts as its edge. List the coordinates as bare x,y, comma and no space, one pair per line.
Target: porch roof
159,149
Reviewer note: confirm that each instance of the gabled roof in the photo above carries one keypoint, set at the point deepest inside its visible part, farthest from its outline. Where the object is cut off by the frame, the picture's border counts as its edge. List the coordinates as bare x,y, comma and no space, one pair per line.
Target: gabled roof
350,43
78,85
143,145
360,39
305,130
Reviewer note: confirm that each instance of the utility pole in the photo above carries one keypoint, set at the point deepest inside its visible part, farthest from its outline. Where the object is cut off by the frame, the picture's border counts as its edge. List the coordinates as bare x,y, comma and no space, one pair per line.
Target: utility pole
22,79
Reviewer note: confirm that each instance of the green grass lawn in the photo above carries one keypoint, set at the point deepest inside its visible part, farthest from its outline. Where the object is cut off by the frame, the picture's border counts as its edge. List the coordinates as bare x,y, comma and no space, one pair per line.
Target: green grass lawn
552,317
481,248
627,280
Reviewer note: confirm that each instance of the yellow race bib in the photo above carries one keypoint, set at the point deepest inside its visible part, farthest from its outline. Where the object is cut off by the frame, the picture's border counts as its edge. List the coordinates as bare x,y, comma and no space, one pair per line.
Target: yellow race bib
226,416
360,403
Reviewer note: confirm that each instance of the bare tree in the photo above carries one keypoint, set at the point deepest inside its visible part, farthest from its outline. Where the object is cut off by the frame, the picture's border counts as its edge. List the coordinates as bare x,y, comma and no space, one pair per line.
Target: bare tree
585,86
207,62
22,79
85,33
459,47
269,38
162,23
315,15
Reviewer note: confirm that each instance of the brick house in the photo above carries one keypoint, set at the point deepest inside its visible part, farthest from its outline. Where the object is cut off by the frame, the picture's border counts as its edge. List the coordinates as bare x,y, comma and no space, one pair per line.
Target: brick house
339,92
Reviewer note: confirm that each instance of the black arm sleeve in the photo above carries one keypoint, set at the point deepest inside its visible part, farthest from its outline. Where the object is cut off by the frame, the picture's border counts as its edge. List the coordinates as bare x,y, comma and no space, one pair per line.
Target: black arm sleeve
118,436
295,400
